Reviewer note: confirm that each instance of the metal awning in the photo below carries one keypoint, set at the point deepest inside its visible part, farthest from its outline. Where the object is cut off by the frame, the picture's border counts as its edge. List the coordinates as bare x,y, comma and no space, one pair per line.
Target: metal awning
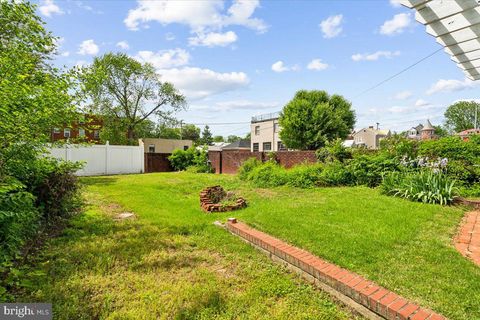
456,25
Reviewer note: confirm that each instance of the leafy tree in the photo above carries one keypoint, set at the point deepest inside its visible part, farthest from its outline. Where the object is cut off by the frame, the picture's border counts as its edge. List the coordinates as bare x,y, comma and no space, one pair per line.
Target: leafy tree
191,132
167,132
234,138
124,89
218,139
206,136
312,118
248,135
461,115
441,131
34,96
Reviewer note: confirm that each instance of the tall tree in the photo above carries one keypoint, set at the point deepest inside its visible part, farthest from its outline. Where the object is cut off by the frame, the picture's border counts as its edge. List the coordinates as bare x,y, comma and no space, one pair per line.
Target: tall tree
218,139
234,138
313,118
191,132
461,115
122,88
34,96
206,136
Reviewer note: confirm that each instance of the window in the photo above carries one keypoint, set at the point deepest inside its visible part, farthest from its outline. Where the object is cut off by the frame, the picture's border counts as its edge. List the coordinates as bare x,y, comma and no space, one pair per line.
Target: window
257,130
276,127
185,148
151,148
280,146
255,147
81,132
66,133
267,146
96,134
56,130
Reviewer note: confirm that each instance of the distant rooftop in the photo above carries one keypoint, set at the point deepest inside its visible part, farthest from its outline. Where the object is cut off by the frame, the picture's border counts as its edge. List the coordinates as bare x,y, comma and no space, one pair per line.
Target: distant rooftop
265,117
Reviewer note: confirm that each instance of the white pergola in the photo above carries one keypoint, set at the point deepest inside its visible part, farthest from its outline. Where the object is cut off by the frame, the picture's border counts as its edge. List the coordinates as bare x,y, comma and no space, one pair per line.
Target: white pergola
456,25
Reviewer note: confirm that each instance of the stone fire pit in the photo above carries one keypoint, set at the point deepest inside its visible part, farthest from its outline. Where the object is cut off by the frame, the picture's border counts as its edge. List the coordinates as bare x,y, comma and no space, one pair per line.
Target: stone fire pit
216,199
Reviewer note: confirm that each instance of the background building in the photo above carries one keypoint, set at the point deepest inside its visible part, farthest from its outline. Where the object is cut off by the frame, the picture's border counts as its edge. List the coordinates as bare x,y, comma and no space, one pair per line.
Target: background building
264,130
158,145
370,137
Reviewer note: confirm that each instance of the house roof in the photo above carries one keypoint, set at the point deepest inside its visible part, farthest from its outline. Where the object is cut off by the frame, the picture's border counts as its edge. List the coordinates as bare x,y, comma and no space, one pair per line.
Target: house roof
456,26
428,126
468,132
383,132
240,144
419,127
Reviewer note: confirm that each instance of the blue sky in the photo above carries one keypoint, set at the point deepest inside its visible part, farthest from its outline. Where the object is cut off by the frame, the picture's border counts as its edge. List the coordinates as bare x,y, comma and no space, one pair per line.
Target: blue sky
236,59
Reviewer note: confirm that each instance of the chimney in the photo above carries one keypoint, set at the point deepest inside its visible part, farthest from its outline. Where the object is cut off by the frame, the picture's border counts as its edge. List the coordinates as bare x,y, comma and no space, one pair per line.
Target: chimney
378,124
370,127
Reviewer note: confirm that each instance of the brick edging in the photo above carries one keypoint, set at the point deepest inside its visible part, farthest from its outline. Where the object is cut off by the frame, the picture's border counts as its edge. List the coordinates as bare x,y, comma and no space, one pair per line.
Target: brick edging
467,240
375,298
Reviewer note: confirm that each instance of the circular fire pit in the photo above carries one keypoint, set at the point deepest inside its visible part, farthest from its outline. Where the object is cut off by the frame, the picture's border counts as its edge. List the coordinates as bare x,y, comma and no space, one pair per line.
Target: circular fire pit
216,199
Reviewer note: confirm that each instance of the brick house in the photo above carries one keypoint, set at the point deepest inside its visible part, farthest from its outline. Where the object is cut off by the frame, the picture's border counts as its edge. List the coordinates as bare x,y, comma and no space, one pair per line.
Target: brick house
85,129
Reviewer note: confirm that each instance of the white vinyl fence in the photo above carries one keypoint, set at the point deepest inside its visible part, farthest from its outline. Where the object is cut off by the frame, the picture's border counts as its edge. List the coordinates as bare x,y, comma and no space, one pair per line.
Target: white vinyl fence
103,159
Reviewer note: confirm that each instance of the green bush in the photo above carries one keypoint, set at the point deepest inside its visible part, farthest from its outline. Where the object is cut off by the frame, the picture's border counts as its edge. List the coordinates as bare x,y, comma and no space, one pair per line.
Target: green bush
197,159
335,174
423,186
304,175
247,167
399,146
452,148
369,169
268,174
333,151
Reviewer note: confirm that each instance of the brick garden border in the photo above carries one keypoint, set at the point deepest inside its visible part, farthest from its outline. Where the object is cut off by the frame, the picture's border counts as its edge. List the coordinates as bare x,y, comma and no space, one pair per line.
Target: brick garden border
343,284
467,240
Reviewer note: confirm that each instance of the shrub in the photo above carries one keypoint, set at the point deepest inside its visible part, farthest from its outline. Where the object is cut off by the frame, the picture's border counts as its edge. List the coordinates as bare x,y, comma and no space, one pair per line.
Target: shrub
333,151
247,167
268,174
304,175
399,146
197,159
369,170
424,186
452,148
335,174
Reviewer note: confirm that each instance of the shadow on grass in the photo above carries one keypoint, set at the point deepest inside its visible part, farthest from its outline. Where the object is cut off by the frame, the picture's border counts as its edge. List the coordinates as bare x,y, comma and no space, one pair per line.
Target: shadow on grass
98,180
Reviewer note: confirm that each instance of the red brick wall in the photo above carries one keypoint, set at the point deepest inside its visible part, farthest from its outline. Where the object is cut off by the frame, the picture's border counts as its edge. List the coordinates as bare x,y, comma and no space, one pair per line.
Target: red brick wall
228,161
215,160
290,158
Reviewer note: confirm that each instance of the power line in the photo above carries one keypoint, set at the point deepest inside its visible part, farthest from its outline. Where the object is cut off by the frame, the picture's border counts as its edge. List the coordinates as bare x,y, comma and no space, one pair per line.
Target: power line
218,123
398,73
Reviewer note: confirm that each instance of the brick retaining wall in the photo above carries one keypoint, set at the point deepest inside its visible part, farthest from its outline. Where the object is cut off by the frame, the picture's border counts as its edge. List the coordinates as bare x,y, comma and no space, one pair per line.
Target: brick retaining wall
381,301
228,161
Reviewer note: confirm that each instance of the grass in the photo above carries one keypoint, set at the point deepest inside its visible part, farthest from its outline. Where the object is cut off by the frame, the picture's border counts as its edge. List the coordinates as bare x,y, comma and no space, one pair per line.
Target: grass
173,262
169,263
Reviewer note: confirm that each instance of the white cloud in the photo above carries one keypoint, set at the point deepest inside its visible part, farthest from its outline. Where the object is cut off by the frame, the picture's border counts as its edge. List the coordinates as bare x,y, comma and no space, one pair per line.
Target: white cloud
197,83
88,47
396,25
65,53
422,103
398,109
317,64
279,67
236,105
123,45
331,27
164,58
169,36
396,3
199,15
375,56
403,95
213,39
451,85
48,8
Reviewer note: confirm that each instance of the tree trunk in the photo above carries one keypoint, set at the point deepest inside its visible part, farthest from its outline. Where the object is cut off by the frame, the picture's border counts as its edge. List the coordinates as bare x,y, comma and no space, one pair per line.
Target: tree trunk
130,136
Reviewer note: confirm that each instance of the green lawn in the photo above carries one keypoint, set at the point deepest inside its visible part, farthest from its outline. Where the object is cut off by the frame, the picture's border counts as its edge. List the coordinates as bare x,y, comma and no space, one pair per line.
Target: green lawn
173,262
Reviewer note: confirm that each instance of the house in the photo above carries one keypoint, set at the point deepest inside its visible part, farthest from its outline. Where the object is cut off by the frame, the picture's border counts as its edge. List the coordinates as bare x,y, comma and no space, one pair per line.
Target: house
86,128
465,134
422,132
216,146
264,133
370,137
243,144
158,145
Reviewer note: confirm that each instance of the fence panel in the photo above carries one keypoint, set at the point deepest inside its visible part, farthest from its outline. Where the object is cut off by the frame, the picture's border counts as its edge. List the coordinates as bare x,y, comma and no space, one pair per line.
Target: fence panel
103,159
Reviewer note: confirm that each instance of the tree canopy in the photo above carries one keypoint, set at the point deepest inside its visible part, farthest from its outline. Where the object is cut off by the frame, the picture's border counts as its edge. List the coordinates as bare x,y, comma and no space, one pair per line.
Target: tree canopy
461,115
34,96
207,137
122,88
312,118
